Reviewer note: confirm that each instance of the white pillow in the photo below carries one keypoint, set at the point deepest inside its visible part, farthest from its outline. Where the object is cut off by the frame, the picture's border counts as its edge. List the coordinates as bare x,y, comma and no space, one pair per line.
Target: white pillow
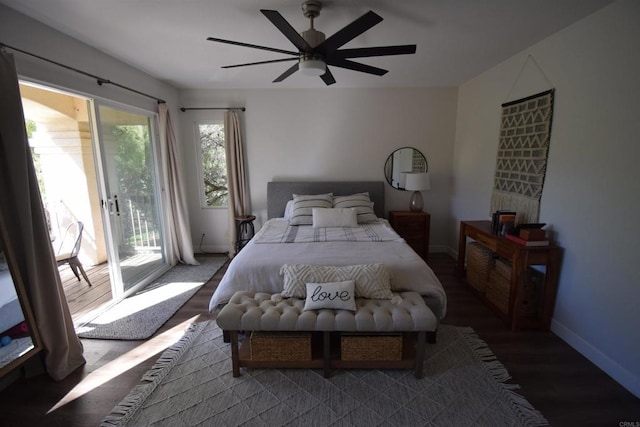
302,213
340,217
336,295
361,203
288,210
371,280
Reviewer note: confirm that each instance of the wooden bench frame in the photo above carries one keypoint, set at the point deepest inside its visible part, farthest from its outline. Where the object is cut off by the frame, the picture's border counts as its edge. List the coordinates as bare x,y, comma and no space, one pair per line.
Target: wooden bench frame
413,356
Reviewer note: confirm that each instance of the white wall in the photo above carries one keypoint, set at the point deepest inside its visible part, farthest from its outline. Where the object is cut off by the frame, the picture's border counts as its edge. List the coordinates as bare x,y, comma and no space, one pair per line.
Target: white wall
329,134
592,185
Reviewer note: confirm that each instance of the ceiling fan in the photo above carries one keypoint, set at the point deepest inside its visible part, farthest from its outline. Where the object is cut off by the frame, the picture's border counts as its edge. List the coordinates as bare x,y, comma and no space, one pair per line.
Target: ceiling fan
315,53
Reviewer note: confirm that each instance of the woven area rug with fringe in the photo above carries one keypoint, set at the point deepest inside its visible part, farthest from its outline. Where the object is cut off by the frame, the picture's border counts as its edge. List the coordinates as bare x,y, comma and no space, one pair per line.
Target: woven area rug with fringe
525,133
192,385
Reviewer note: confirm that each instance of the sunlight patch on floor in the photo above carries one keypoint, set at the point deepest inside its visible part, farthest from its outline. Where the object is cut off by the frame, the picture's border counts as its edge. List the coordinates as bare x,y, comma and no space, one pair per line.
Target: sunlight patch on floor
141,301
125,362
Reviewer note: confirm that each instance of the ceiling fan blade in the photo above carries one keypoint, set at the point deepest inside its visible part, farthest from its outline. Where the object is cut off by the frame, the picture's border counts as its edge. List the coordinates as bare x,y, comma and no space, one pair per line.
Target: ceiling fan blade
356,66
255,46
286,29
349,33
328,78
365,52
260,62
287,73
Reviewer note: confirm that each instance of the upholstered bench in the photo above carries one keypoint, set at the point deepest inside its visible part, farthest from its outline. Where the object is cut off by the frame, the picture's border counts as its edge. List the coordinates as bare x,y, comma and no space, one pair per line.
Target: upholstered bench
406,313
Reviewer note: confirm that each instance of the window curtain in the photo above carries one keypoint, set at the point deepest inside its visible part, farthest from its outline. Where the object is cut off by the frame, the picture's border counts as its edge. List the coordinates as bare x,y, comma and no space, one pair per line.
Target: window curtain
180,230
28,233
236,175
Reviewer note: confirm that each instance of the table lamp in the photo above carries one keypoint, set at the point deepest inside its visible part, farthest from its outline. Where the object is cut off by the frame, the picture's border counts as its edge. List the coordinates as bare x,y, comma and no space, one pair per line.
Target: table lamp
417,182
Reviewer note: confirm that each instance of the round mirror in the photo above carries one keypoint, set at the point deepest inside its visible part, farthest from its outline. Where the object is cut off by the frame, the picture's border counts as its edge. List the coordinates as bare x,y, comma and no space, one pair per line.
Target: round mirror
400,162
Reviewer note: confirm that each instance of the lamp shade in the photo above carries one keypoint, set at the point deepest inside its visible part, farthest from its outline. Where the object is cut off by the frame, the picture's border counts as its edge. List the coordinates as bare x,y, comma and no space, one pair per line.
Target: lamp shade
417,181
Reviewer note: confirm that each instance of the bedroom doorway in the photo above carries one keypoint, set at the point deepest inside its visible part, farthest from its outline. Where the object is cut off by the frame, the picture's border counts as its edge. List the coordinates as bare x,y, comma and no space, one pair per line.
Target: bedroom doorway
96,163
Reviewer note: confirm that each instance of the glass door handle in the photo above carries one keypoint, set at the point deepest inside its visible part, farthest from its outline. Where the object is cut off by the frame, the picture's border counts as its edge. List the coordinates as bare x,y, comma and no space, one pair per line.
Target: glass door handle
117,205
111,205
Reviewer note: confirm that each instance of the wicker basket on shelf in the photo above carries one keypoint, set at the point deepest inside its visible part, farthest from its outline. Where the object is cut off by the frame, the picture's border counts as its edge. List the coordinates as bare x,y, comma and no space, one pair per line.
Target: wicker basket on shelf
279,346
499,286
479,264
370,347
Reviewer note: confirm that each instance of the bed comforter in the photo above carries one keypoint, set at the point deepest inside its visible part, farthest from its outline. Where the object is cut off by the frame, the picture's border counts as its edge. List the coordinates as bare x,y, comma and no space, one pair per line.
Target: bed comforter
257,267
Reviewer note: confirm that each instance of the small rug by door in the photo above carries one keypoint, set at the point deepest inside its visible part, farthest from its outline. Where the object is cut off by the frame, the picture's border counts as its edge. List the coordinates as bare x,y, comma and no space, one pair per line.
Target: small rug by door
137,317
192,384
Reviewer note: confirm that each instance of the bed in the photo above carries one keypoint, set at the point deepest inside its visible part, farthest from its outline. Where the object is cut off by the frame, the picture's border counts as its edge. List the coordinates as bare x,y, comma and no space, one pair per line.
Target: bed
257,267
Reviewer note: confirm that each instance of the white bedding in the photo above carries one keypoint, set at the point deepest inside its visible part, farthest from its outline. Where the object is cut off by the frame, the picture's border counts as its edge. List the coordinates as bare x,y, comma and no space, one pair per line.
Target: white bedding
257,267
280,231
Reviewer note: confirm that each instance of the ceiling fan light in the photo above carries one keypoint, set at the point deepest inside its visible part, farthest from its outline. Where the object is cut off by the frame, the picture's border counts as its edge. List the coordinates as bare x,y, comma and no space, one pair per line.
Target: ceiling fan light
312,67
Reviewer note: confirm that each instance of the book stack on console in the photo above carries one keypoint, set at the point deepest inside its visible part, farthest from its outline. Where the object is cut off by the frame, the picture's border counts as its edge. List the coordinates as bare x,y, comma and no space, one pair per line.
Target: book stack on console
530,237
503,222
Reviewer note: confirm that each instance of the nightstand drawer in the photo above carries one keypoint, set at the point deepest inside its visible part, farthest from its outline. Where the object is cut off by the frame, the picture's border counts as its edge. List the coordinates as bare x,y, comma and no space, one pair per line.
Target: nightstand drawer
410,227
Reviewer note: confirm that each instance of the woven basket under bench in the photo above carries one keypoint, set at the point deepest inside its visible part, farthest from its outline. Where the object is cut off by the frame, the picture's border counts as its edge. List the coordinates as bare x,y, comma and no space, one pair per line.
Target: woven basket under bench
280,346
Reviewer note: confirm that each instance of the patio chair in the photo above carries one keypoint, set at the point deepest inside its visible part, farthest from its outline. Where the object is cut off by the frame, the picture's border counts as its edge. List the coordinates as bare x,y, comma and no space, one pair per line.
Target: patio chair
64,255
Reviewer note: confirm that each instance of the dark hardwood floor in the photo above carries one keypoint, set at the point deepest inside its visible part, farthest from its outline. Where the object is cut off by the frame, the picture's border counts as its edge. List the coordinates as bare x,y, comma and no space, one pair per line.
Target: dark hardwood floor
567,388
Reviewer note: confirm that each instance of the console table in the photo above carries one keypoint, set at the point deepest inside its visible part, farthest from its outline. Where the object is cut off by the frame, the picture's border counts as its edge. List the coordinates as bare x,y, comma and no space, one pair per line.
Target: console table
521,257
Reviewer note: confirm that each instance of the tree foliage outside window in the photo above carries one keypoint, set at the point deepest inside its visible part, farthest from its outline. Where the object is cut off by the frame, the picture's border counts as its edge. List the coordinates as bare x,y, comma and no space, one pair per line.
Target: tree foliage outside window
214,165
133,160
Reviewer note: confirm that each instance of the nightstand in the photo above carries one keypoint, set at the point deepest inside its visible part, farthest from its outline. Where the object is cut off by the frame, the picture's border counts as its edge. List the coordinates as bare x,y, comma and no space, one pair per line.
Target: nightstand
413,227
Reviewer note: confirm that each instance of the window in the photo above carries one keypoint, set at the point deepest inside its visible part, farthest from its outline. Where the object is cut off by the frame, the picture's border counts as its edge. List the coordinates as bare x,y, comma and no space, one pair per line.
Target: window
213,164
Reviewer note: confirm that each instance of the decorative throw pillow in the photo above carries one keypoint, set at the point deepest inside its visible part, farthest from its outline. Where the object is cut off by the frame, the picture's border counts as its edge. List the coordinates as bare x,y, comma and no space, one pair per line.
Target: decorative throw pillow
371,280
302,212
336,295
340,217
361,203
288,209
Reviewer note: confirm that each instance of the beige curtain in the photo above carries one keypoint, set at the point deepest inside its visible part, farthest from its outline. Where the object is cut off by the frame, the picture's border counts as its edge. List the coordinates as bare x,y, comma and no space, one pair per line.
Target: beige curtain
28,233
236,175
180,234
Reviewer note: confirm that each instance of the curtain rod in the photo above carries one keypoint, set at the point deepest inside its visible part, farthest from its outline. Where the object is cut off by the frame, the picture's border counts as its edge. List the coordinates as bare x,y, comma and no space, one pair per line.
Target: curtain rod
99,80
183,109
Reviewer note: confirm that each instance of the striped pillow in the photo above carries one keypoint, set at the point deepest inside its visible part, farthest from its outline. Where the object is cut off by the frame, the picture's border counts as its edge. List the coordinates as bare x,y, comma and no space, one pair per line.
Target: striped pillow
302,212
361,203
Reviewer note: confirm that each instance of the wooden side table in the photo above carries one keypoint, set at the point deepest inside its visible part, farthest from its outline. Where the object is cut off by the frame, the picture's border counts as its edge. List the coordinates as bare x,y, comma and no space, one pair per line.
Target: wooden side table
521,257
414,228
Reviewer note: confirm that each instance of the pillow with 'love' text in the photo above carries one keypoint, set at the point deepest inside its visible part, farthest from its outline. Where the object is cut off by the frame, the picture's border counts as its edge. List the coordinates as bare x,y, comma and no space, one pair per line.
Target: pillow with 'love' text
336,295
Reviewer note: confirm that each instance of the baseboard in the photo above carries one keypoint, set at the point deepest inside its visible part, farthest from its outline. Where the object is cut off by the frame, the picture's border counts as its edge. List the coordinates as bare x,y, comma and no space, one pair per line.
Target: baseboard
212,249
625,378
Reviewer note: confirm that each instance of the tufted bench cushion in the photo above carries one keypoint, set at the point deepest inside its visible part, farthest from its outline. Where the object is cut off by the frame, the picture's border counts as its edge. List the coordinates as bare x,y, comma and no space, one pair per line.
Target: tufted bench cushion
406,312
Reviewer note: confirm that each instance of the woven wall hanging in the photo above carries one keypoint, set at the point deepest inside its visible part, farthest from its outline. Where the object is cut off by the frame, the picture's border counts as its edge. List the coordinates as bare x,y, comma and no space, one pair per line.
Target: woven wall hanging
525,133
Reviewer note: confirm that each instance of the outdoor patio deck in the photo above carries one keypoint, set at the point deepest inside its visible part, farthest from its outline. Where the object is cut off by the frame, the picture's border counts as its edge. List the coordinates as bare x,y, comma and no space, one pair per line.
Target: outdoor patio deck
81,297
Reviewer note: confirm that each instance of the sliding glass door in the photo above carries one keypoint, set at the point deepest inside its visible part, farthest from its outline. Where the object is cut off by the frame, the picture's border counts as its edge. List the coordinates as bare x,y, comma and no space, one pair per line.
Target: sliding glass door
130,202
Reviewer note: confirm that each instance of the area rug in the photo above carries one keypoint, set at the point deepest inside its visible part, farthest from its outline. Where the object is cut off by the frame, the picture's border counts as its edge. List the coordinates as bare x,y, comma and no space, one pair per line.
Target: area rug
137,317
192,384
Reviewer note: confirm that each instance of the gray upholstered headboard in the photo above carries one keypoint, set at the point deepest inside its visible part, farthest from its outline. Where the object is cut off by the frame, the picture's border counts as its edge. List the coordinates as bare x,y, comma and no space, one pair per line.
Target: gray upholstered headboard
280,192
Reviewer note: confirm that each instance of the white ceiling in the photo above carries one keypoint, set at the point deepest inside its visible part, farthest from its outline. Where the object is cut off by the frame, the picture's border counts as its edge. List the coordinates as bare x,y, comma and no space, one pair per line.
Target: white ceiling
456,39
